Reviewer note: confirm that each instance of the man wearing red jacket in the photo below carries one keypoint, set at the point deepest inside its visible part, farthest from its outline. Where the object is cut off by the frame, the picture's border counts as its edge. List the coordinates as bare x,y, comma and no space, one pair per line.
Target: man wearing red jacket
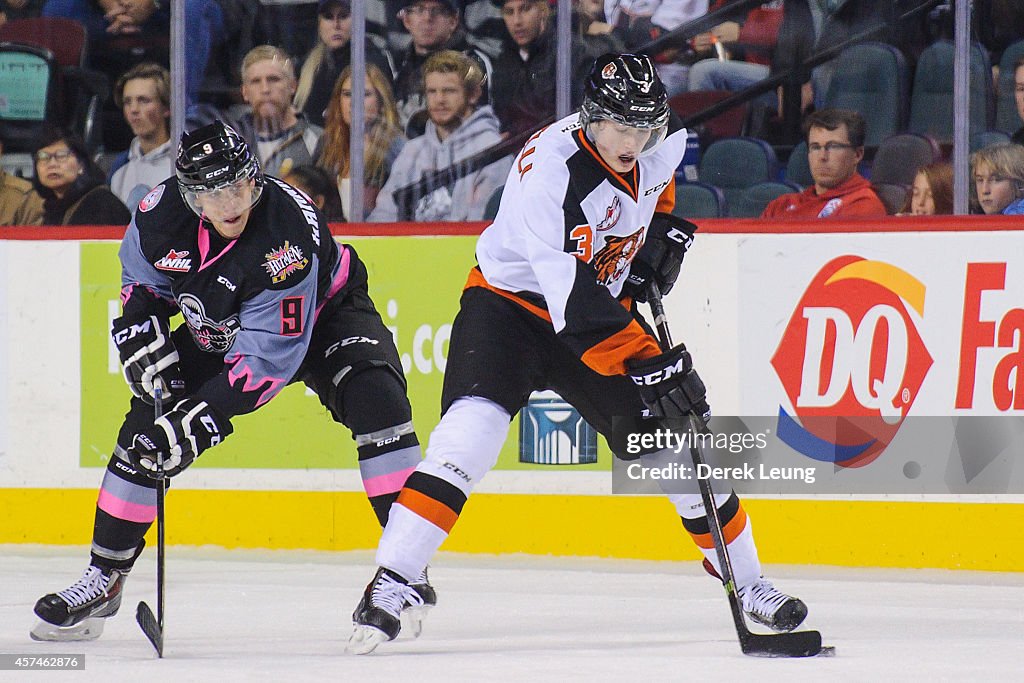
835,145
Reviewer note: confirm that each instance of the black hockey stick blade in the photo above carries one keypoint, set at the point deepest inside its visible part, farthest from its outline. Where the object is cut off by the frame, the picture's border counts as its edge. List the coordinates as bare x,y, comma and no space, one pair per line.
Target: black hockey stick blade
796,644
149,626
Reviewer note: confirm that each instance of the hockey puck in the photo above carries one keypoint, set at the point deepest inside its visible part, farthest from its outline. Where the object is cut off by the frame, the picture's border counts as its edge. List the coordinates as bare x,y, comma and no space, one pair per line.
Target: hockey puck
827,651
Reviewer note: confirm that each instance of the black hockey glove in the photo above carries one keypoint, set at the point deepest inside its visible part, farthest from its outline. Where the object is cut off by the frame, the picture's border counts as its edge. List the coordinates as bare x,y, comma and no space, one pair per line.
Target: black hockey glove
148,355
669,386
661,256
180,435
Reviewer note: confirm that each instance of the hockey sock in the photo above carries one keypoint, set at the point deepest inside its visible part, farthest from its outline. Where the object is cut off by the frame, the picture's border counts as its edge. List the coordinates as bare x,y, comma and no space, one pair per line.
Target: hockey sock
463,448
736,530
386,459
125,510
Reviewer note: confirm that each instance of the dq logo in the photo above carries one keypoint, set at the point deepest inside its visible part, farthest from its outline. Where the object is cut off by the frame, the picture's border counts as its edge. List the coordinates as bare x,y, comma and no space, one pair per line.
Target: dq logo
851,361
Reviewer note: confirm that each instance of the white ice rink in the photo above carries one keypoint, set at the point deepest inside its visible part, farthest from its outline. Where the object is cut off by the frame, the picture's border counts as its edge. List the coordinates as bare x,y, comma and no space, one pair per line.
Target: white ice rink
285,616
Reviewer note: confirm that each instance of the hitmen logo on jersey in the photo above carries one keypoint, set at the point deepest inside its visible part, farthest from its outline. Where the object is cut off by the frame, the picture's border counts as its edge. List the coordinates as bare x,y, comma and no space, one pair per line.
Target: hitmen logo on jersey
616,255
151,199
851,361
611,215
175,261
284,261
210,335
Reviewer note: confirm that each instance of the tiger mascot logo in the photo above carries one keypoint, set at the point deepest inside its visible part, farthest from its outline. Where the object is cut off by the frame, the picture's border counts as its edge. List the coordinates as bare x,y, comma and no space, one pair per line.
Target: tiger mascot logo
616,255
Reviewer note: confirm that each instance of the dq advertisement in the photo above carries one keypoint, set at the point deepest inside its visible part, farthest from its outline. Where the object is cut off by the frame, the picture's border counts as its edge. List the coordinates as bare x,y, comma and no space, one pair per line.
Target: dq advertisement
848,341
415,283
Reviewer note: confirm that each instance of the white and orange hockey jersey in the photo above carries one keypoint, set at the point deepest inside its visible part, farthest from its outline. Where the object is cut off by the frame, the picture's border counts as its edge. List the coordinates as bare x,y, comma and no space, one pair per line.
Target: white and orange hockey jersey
566,232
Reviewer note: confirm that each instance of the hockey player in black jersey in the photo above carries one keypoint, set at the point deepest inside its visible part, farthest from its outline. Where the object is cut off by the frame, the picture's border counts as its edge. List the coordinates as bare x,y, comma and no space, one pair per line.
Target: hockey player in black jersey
268,298
586,208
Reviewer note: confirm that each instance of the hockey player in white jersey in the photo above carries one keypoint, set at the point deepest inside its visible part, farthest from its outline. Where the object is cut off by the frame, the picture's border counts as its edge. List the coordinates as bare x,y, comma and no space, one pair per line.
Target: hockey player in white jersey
551,306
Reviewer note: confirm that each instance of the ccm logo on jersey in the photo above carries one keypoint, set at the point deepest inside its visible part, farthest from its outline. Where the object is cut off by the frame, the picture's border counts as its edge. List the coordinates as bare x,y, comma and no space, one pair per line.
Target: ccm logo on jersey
175,261
661,375
226,282
660,186
346,342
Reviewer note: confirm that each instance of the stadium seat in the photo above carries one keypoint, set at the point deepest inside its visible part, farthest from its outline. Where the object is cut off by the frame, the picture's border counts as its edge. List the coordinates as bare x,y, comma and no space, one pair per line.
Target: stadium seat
734,164
871,79
699,200
493,202
931,103
750,202
30,87
985,138
729,123
893,195
1007,118
900,156
798,168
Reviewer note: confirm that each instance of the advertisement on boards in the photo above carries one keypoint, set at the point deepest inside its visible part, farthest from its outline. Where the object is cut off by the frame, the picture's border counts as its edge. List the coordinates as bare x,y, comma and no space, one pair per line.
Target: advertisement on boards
846,338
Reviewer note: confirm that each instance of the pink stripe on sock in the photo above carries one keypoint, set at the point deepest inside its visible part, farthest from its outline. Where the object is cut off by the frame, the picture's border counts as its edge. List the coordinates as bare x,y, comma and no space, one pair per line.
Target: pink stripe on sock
122,509
387,483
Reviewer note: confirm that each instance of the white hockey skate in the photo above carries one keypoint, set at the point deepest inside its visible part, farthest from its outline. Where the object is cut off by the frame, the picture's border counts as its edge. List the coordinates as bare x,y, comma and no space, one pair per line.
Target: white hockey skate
767,605
77,613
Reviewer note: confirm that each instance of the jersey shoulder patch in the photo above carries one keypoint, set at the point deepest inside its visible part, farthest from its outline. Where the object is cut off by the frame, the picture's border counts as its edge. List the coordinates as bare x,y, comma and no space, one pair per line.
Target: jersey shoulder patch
150,201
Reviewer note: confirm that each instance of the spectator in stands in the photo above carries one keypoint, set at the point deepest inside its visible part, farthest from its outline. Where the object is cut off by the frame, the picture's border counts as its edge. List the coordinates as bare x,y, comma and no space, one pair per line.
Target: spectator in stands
273,127
835,145
456,129
20,204
382,140
998,172
1018,96
523,91
11,10
319,187
105,19
932,191
328,59
144,95
433,26
808,26
71,185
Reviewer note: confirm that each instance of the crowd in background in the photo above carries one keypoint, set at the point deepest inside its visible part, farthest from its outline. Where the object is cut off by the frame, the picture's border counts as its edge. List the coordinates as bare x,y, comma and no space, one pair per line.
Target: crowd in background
447,79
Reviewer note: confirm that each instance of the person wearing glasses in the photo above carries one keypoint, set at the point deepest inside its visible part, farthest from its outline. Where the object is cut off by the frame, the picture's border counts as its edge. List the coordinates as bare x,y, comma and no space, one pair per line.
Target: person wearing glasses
71,185
433,25
835,145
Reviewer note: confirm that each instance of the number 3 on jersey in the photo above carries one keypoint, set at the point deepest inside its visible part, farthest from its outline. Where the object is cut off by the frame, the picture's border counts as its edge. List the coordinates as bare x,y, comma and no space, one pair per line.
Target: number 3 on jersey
584,239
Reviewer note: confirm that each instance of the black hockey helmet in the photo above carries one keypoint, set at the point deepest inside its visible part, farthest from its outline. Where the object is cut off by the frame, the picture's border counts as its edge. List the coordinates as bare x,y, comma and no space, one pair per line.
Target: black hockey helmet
626,89
213,157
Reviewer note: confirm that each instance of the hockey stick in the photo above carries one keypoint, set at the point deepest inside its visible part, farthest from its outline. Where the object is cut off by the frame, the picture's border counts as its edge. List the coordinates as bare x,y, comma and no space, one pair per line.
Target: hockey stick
795,644
152,626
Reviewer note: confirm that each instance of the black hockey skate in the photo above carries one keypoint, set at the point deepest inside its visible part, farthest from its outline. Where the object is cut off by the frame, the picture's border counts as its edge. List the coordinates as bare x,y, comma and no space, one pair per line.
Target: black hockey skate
77,612
377,618
766,605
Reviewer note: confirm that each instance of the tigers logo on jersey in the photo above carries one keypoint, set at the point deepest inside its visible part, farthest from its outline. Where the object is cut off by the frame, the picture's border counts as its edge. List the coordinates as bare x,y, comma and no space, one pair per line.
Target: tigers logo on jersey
616,255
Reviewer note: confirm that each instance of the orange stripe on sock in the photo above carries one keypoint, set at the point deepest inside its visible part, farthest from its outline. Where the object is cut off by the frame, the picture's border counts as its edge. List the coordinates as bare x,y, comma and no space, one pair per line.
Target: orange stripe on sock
730,530
434,511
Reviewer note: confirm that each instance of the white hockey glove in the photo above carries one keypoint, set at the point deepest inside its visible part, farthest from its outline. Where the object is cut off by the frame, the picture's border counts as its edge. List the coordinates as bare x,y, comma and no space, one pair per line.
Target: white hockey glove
180,435
148,355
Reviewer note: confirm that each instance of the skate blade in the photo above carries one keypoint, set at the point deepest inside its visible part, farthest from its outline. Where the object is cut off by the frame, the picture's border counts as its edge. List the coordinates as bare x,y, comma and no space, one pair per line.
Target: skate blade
413,618
365,639
87,629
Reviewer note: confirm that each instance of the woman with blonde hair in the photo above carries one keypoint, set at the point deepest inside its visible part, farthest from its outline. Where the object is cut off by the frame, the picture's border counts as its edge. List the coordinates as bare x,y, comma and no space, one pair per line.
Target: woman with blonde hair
329,56
998,173
383,138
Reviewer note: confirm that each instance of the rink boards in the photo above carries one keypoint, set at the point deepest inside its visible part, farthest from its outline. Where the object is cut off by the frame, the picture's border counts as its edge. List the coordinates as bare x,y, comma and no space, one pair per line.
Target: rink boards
287,477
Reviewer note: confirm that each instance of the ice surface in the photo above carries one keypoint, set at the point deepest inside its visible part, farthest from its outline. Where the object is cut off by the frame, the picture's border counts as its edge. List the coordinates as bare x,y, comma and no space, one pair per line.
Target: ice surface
285,616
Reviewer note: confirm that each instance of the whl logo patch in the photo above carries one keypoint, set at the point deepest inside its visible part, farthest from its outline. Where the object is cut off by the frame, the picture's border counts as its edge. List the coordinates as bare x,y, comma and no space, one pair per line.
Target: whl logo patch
851,361
175,261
